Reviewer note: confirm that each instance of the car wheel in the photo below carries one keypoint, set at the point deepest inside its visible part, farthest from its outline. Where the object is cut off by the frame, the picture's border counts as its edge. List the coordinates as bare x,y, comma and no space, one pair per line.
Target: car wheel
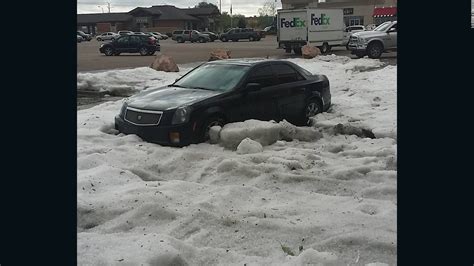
179,40
151,53
201,40
143,51
99,39
206,126
375,50
251,39
312,108
108,51
325,48
224,39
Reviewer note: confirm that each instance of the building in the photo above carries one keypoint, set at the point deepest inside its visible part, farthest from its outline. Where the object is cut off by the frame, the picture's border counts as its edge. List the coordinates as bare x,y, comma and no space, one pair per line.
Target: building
356,12
163,18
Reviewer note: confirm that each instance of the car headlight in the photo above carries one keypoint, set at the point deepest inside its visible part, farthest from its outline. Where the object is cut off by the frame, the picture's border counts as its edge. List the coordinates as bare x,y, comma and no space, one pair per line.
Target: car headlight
124,107
181,115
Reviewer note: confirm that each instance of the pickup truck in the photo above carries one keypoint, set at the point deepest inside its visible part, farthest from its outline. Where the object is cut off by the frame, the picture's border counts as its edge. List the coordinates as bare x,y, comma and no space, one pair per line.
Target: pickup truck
236,34
189,35
375,42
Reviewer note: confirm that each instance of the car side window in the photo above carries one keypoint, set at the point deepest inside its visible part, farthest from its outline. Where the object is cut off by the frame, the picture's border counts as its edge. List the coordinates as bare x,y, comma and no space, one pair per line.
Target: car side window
123,40
286,74
263,76
135,39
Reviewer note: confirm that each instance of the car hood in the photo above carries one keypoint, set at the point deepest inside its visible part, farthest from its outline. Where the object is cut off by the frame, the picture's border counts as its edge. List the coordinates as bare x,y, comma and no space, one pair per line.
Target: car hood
165,98
368,34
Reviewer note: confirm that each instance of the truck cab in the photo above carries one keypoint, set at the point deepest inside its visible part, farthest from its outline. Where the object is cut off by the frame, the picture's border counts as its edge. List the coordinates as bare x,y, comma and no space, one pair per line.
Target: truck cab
375,42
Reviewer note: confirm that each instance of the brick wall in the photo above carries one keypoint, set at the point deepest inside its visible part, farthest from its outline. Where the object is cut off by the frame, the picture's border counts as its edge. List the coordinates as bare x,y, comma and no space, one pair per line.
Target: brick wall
103,27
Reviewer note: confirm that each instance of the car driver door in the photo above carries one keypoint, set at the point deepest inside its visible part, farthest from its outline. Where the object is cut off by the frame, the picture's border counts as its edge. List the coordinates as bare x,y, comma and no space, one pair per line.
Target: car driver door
392,40
121,44
258,95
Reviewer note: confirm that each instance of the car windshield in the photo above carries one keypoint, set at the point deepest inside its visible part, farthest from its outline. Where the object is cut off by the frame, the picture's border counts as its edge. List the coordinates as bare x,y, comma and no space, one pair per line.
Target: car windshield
383,26
214,77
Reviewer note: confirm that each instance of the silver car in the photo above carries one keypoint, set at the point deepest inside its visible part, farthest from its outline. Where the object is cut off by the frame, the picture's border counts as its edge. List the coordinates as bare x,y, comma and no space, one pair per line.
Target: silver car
106,36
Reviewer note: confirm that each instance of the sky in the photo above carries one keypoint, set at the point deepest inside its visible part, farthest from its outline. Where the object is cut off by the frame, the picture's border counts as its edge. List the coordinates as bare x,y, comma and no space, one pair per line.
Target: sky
244,7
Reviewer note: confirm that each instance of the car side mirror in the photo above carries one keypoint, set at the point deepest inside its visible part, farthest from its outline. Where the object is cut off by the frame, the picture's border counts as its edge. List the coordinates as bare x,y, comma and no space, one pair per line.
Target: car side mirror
253,86
392,30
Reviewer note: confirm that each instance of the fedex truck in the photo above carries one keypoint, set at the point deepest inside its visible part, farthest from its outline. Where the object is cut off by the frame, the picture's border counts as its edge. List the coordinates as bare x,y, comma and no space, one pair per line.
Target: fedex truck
323,28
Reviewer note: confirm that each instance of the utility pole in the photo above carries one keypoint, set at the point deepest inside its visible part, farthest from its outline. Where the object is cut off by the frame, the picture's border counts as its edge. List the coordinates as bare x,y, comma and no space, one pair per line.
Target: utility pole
101,8
108,6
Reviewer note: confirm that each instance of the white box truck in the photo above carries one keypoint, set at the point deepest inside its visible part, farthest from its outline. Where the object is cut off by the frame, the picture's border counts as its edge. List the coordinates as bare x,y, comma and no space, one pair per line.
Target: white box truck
323,28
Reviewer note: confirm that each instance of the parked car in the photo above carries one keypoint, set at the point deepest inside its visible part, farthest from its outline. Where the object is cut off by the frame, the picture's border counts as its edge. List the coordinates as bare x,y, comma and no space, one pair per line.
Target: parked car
162,36
139,33
348,31
189,35
270,30
125,32
220,92
85,36
237,34
132,43
374,43
106,36
212,36
79,38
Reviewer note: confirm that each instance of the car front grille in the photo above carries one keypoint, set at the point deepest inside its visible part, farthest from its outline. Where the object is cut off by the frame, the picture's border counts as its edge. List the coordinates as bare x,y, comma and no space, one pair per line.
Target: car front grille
142,117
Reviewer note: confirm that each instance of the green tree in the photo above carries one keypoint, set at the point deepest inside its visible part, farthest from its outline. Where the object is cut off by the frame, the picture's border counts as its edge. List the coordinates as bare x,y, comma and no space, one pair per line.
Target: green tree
206,4
241,21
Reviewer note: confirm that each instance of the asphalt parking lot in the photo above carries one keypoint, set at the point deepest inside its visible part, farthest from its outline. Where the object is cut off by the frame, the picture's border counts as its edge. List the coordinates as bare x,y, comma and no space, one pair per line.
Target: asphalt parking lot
90,59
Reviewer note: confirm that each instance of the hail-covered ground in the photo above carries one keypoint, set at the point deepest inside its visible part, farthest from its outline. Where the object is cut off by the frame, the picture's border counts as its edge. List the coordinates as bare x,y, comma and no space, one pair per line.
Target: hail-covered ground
264,193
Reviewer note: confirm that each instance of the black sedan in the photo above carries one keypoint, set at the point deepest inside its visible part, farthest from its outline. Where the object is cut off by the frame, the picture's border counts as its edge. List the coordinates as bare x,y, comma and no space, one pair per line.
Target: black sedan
131,43
220,92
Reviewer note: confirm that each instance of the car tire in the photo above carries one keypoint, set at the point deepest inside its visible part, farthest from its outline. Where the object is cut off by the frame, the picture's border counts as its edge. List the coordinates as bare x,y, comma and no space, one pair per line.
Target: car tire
179,40
201,40
99,39
313,107
109,51
375,50
224,39
325,48
151,52
251,39
143,51
214,120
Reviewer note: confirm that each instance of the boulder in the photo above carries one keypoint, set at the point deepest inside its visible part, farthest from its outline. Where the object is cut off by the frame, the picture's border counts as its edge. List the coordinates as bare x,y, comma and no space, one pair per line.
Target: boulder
164,63
309,52
219,54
